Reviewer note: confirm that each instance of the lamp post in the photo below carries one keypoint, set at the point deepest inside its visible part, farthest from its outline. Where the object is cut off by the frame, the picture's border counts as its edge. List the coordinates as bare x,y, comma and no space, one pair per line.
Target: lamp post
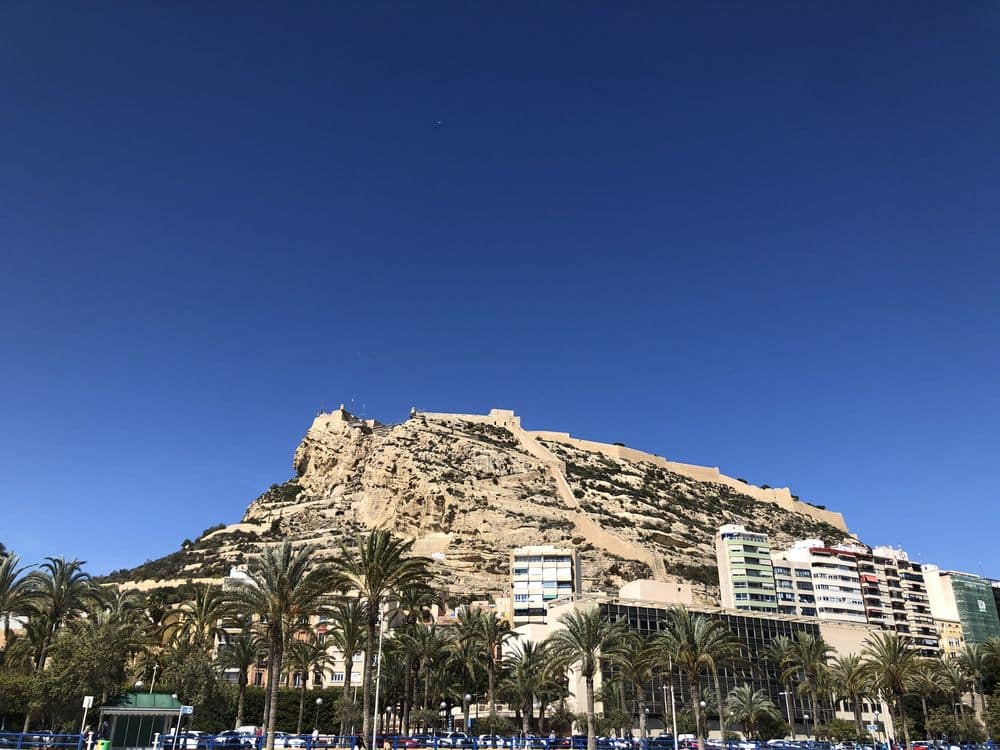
788,711
319,702
466,700
704,719
673,708
645,723
177,729
444,713
806,718
153,681
875,717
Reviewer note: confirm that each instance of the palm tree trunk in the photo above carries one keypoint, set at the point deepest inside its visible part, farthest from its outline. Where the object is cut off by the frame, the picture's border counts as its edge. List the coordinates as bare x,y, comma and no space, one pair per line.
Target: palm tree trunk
408,690
642,717
526,717
302,704
490,677
856,705
241,700
902,717
718,699
695,689
366,673
278,645
591,736
267,690
347,709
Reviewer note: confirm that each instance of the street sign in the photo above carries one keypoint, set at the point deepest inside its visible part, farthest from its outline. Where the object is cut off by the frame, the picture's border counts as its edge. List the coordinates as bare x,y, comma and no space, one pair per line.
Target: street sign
88,701
187,710
873,727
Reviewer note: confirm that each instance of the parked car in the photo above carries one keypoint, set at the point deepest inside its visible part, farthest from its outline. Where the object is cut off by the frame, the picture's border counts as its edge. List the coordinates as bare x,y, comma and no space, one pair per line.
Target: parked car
233,740
454,739
491,740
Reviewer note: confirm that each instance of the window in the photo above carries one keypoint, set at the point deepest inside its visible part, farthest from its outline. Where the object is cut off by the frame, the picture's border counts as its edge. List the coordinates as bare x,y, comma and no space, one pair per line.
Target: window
338,677
781,571
801,573
520,597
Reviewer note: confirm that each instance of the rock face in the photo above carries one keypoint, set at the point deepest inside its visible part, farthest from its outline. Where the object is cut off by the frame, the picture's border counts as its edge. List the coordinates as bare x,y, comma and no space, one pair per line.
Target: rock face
468,488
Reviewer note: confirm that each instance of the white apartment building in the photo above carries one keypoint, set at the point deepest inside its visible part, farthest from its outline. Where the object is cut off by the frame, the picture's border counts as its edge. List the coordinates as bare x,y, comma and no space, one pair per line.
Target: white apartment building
812,580
540,574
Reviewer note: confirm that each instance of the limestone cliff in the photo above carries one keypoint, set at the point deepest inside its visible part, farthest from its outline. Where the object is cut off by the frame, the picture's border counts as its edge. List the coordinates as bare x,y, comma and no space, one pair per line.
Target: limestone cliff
467,488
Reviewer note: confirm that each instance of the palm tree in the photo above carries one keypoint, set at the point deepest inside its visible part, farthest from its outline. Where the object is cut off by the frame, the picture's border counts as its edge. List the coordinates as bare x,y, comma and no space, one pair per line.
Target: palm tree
748,705
580,641
60,591
201,616
975,662
526,668
347,634
413,605
809,657
284,586
378,567
489,633
242,651
305,658
15,593
893,666
636,658
723,646
926,684
687,641
780,652
852,680
953,681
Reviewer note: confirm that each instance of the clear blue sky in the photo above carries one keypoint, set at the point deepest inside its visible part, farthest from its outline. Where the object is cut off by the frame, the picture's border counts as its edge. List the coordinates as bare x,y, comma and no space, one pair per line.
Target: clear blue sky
760,236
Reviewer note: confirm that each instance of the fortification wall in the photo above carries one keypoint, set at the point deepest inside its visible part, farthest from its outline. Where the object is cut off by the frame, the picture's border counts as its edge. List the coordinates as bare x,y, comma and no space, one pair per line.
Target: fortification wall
780,496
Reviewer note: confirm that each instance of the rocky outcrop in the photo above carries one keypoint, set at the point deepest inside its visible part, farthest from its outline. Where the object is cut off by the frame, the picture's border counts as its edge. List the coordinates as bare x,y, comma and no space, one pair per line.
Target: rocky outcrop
468,488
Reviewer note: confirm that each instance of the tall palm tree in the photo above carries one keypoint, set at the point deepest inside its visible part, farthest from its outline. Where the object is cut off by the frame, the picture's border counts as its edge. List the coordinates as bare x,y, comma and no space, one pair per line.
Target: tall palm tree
347,635
724,646
242,651
431,648
580,640
748,705
526,668
893,664
378,567
489,633
202,615
305,658
60,591
412,607
636,657
809,656
687,641
975,662
15,592
927,682
954,682
780,653
852,680
284,586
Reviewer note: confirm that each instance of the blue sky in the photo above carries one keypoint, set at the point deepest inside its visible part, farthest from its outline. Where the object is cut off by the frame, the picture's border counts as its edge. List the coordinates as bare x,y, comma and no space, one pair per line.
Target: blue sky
760,237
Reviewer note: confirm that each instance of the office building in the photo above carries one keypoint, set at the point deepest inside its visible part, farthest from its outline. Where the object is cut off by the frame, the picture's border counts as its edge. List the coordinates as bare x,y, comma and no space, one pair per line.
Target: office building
744,561
539,575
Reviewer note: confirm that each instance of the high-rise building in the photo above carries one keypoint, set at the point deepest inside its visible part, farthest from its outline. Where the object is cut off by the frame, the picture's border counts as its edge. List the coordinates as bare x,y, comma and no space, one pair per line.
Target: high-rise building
895,596
813,580
965,598
745,577
539,575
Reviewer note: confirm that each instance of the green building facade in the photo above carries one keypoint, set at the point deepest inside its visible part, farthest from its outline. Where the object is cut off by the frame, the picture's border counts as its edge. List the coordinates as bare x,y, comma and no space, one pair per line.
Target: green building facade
977,608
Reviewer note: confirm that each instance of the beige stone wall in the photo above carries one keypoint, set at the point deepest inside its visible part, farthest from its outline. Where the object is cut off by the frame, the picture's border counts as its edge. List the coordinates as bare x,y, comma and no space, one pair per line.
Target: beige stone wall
659,592
779,496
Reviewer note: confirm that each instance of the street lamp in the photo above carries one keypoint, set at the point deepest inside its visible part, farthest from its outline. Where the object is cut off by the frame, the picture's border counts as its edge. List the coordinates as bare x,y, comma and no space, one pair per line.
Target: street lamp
788,711
177,729
467,699
319,702
875,717
806,718
704,718
444,713
645,722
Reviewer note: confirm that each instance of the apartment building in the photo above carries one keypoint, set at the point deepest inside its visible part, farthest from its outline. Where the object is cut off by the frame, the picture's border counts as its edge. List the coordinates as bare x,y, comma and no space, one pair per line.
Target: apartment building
965,598
812,580
744,561
895,596
538,575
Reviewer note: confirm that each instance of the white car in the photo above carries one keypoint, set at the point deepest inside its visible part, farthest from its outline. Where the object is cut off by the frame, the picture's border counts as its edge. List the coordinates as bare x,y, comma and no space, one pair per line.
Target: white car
284,739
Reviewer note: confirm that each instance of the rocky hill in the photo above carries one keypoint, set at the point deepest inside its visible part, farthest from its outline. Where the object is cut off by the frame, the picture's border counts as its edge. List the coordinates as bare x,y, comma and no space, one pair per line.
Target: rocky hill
468,488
